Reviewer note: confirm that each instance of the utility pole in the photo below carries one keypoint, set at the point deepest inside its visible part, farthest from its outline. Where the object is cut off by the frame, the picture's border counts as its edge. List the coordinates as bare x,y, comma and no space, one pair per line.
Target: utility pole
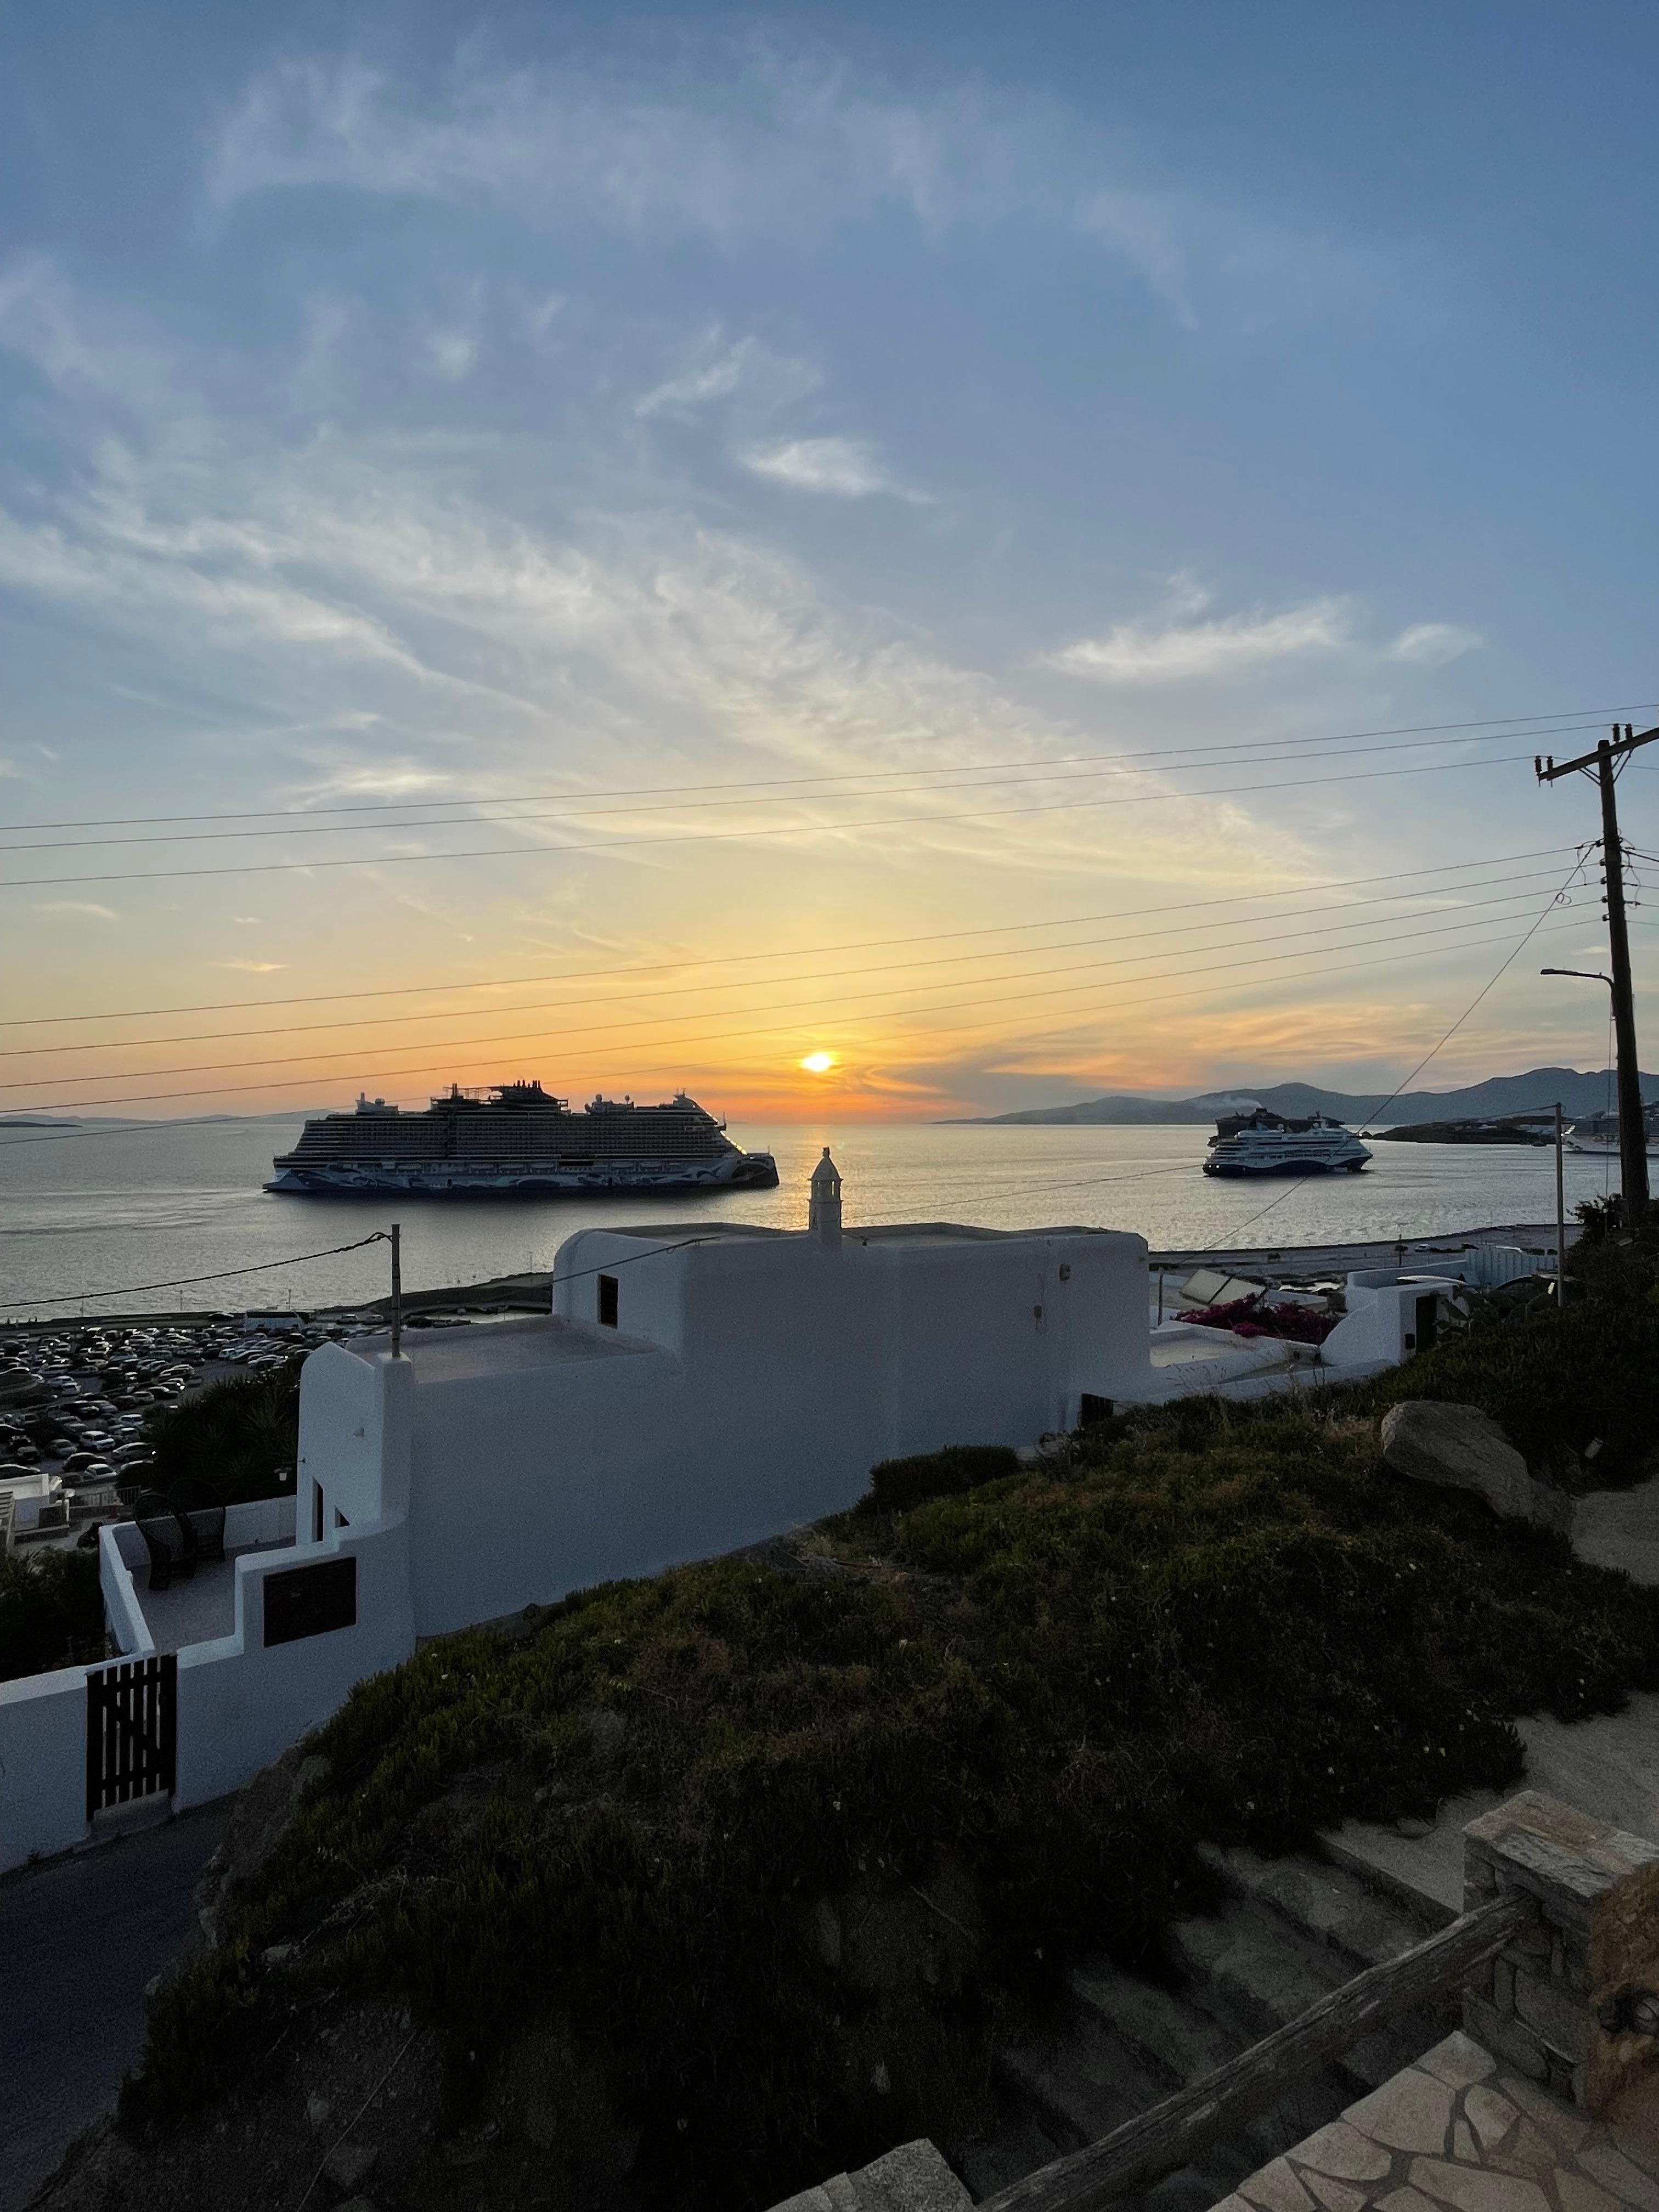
1632,1126
1560,1214
397,1291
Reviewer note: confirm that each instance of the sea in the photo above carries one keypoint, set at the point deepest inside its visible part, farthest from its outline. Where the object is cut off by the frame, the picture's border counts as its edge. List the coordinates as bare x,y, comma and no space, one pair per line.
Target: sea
90,1222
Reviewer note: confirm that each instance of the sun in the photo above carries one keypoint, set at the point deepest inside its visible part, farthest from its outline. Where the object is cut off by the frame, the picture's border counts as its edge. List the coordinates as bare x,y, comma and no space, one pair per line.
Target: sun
818,1063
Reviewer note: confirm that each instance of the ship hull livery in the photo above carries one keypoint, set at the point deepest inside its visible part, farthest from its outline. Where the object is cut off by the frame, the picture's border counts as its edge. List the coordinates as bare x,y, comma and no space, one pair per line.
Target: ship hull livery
1263,1142
517,1141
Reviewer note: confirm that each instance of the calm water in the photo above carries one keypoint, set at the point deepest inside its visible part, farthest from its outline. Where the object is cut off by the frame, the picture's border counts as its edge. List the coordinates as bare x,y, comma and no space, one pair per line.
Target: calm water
97,1212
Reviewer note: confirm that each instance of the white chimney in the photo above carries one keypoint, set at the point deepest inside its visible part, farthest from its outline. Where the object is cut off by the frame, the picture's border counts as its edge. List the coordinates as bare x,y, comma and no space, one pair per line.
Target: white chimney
823,1212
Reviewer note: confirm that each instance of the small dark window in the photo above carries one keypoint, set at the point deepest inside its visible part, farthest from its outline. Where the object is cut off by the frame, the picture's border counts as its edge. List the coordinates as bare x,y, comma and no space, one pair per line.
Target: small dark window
607,1302
1093,1409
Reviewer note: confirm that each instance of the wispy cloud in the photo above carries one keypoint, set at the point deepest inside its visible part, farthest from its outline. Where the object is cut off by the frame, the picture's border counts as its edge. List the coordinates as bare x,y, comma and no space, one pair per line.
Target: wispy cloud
632,141
1173,651
812,144
1432,645
1212,265
78,906
252,967
717,371
844,467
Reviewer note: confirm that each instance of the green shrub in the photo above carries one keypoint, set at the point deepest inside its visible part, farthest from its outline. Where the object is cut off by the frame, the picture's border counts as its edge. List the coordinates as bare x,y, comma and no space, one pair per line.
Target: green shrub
1555,1382
225,1445
896,1485
51,1611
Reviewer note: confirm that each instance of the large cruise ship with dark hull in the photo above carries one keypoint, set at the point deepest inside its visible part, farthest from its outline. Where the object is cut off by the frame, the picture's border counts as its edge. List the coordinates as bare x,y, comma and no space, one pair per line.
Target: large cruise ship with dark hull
516,1140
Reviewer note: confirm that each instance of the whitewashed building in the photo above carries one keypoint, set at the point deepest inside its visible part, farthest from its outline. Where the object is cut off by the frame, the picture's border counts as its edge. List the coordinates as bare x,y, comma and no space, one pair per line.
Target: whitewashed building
696,1389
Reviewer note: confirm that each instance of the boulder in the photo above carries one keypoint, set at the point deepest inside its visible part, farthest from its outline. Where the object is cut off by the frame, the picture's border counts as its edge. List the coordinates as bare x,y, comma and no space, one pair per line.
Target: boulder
1461,1448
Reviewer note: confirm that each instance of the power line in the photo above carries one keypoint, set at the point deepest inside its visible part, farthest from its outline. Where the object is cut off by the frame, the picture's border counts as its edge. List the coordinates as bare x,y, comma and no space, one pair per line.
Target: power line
1493,724
219,1274
577,810
1508,961
1206,989
787,1007
679,991
733,837
726,959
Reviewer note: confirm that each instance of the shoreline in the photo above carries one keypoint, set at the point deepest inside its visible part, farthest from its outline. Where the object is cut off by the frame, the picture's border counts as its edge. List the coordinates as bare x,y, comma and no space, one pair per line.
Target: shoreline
531,1291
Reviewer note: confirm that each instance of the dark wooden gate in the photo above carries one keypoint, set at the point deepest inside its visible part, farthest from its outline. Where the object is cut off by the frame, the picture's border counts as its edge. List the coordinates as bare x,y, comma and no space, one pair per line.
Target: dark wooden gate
132,1731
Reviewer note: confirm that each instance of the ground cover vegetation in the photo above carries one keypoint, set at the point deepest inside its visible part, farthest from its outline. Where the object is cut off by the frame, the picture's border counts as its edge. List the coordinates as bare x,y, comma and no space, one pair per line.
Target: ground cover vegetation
987,1717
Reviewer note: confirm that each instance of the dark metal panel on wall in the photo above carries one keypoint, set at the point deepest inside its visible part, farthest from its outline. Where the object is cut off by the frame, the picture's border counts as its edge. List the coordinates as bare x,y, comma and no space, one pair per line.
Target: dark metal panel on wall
310,1600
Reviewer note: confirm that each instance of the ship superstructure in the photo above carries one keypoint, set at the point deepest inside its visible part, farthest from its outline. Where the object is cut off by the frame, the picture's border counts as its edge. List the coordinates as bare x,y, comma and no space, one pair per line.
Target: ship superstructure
517,1140
1262,1142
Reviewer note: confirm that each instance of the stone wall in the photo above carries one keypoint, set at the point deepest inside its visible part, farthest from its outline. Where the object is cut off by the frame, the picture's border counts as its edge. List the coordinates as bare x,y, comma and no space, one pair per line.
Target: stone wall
1572,2002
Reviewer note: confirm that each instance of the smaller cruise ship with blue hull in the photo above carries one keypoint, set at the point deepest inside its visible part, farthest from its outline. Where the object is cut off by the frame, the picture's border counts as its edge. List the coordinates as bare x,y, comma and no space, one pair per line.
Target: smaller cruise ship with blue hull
1263,1142
517,1141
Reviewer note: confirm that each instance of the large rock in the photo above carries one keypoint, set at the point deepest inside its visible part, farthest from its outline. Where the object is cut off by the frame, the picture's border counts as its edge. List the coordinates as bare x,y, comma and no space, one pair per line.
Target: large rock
1461,1448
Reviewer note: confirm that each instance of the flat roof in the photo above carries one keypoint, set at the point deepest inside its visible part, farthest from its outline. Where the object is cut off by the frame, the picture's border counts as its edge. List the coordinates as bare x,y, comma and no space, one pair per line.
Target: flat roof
852,1232
502,1347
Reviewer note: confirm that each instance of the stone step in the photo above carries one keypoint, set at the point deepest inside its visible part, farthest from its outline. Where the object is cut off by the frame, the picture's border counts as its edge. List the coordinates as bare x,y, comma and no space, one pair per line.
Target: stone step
1290,1932
1014,2145
1081,2083
1326,1903
1252,1971
1176,2041
1083,2087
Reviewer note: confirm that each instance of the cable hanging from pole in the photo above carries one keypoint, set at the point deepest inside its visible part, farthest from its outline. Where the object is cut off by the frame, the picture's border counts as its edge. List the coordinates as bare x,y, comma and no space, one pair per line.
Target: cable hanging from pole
219,1274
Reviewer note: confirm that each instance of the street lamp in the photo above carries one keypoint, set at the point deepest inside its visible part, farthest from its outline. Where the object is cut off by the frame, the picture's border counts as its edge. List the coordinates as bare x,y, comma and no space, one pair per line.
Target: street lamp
1589,974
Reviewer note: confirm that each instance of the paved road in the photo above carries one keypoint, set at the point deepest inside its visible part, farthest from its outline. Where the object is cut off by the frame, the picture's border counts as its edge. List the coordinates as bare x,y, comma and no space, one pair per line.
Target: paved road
79,1941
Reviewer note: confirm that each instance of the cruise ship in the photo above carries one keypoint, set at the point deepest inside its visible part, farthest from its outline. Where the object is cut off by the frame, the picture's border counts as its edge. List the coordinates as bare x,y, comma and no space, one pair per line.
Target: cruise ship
1262,1142
515,1140
1598,1133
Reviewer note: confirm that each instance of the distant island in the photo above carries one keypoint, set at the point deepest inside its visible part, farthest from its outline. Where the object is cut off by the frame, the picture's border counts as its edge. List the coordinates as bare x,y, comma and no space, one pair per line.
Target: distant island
1501,1097
1528,1132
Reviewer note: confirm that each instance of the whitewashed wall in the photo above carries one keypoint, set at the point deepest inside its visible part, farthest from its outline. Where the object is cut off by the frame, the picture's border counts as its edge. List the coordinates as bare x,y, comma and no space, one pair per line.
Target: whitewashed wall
751,1384
240,1705
43,1765
1381,1314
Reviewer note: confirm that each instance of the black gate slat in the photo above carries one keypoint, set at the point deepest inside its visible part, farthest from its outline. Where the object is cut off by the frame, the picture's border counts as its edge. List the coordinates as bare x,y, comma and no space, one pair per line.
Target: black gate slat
132,1731
123,1735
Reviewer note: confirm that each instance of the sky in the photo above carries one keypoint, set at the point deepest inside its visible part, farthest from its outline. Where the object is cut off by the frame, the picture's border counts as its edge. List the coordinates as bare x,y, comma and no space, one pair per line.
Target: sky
1011,553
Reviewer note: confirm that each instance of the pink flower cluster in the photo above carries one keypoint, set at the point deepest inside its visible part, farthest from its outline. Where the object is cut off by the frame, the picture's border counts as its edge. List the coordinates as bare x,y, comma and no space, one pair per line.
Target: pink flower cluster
1297,1324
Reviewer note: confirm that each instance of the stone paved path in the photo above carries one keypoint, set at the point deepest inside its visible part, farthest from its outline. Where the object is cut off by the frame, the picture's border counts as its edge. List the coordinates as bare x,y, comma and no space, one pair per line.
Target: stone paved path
1456,2130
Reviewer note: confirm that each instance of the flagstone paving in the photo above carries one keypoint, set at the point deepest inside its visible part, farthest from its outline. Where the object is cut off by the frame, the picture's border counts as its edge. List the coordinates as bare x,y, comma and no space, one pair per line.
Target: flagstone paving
1457,2130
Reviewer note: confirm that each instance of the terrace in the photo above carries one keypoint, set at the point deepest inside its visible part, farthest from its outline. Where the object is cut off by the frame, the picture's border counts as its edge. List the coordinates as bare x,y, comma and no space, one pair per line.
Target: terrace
197,1608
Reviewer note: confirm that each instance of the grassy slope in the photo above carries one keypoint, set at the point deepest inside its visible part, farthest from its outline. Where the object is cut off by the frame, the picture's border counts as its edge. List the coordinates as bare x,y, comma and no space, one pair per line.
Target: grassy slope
1223,1624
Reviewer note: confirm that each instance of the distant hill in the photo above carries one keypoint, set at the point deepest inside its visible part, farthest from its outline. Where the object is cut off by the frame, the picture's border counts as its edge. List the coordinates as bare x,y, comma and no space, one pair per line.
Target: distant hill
1579,1093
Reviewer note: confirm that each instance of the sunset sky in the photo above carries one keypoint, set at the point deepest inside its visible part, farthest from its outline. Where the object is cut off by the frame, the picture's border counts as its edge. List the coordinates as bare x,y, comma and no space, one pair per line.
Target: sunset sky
1006,552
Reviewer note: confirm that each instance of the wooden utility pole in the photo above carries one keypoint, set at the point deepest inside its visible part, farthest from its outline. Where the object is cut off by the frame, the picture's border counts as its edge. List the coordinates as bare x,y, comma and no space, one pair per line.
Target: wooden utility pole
397,1291
1632,1125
